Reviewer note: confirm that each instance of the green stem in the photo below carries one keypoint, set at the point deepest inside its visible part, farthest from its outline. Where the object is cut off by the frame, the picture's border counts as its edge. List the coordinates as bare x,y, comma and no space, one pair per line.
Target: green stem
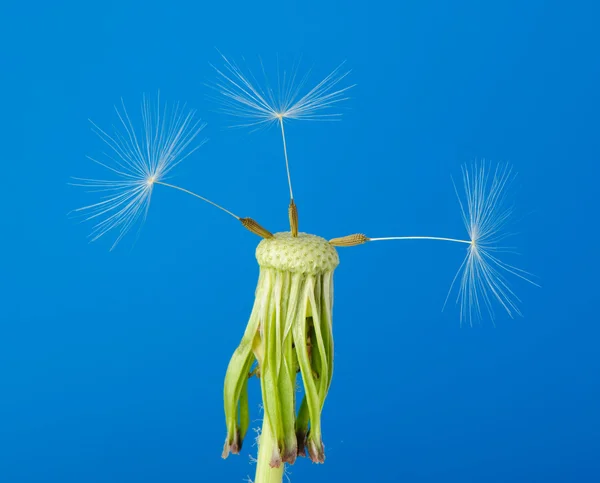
267,444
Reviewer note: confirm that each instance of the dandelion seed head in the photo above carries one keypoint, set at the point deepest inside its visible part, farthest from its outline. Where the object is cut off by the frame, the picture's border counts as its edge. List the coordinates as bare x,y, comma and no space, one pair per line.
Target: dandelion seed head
137,159
242,96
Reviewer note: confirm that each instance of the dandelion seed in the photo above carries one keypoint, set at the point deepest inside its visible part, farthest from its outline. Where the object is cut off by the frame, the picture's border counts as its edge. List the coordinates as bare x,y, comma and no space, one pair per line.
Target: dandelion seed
139,159
242,97
482,273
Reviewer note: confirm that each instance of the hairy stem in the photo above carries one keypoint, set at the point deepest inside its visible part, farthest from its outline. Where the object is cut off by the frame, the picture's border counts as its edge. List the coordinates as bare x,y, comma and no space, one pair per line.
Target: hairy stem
266,446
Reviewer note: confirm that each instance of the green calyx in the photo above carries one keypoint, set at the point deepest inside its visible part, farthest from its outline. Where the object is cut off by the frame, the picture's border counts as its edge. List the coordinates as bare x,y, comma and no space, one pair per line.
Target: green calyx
289,332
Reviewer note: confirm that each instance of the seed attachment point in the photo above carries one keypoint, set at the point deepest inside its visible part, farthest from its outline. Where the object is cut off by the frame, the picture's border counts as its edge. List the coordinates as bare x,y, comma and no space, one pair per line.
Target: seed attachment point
349,240
255,228
293,215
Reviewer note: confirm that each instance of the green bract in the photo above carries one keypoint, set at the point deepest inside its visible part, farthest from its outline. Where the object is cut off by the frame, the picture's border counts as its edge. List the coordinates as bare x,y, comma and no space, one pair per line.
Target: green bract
289,331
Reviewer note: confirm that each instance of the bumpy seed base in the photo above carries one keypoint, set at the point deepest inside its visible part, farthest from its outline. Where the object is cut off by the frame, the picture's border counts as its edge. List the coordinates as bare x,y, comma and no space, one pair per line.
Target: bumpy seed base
302,254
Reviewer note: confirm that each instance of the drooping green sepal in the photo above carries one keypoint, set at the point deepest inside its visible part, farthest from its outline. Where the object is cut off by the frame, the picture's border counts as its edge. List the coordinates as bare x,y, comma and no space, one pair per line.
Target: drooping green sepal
289,332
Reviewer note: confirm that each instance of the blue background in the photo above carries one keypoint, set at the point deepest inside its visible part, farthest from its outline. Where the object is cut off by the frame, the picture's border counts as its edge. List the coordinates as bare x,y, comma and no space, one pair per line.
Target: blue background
111,363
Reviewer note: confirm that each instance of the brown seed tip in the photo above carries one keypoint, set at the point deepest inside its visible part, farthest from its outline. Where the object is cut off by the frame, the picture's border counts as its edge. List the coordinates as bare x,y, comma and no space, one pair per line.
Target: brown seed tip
316,451
275,458
301,438
349,240
255,228
232,445
293,214
289,455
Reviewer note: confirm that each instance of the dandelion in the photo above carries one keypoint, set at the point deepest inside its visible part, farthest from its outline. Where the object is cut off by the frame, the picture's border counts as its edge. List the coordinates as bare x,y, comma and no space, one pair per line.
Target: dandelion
289,335
139,159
